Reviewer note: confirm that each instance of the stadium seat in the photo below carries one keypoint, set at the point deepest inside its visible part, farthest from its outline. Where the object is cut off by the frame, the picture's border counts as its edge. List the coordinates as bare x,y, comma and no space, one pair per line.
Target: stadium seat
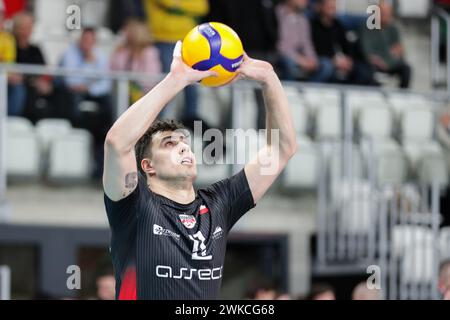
414,246
70,156
417,124
328,124
401,102
404,236
249,110
210,106
334,161
389,161
300,111
302,169
413,9
444,243
417,264
432,169
354,199
422,153
359,100
22,149
49,129
315,98
19,124
376,122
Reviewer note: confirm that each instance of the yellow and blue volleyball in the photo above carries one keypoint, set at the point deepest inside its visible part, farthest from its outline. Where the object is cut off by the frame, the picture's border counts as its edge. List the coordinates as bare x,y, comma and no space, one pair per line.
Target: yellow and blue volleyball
213,46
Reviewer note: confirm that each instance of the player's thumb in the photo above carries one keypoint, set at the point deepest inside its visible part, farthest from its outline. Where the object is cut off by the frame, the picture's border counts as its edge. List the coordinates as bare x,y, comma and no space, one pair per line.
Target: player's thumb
177,50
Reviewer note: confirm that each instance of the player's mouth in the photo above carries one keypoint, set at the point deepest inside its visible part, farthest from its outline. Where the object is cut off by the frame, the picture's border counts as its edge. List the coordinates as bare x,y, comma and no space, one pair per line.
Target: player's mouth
187,161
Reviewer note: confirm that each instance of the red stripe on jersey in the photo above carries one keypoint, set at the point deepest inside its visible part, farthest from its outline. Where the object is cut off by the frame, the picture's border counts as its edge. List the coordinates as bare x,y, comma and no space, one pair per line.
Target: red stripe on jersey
128,287
204,210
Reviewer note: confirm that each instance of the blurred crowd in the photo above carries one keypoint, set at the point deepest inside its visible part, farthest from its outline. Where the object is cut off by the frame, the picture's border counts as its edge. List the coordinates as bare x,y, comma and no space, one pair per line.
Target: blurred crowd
305,40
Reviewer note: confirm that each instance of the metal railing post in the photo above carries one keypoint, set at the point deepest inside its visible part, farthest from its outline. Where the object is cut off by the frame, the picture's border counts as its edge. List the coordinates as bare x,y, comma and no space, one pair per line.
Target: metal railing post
435,39
123,94
5,283
3,117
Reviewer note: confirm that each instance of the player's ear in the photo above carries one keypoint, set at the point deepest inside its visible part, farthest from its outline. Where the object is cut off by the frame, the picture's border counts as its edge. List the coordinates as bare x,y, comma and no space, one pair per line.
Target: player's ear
147,166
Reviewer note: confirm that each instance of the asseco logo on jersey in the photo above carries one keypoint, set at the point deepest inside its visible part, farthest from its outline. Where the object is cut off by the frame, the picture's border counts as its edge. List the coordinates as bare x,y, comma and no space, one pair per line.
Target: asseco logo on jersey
188,220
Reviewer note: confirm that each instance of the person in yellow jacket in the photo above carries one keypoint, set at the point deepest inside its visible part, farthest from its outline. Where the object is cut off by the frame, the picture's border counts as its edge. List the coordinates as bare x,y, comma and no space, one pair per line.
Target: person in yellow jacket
7,43
169,21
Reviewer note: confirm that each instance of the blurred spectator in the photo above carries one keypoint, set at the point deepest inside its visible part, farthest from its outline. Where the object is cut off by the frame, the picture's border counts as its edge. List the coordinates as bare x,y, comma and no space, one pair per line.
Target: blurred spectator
298,58
383,47
128,9
170,21
444,279
443,134
362,292
321,292
85,56
137,54
330,42
106,286
12,7
256,23
29,94
7,45
283,296
261,290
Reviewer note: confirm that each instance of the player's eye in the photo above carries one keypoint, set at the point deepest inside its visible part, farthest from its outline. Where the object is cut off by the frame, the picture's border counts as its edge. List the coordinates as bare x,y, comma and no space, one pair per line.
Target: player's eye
170,144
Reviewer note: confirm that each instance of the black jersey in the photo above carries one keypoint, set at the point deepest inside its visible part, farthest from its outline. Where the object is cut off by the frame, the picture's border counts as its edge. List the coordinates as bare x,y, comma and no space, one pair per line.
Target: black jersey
162,249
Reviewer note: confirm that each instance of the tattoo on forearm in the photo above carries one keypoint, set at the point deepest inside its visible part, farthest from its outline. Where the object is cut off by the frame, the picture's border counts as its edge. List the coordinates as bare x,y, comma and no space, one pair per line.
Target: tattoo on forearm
131,180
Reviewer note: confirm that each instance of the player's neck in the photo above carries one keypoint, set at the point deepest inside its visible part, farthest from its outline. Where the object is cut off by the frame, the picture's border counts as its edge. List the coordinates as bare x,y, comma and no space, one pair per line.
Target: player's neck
178,191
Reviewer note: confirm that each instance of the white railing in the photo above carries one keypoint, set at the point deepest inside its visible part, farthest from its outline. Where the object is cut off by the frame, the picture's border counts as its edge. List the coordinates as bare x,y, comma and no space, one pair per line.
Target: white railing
5,283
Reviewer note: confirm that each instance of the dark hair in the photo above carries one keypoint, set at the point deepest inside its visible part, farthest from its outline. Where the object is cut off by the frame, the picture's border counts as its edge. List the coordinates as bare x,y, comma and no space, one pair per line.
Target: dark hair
142,147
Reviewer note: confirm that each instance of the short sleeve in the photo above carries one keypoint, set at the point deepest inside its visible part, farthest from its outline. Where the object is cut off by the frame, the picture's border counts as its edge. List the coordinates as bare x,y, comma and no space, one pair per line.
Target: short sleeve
125,211
235,194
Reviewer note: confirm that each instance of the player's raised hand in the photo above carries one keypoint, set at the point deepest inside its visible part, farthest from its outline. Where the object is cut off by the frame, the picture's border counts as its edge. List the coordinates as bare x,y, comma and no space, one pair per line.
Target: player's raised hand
254,69
182,72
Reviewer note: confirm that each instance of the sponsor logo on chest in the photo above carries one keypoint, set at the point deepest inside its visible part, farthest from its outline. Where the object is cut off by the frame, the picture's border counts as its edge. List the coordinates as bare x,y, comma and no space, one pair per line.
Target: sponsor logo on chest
188,220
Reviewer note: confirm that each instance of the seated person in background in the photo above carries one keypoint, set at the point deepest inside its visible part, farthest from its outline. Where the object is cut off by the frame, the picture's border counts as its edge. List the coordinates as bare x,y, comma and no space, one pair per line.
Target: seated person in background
362,292
30,95
85,56
383,48
137,54
331,44
298,58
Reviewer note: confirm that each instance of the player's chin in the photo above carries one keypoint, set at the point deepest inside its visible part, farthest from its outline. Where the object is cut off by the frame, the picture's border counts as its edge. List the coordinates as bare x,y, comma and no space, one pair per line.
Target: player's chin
188,170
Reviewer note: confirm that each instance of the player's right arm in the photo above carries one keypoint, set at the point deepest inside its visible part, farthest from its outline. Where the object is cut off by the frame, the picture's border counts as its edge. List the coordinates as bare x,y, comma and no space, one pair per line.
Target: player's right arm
120,174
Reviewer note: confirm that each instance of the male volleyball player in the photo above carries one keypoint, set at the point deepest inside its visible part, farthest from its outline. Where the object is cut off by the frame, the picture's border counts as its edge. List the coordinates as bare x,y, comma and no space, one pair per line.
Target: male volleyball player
168,241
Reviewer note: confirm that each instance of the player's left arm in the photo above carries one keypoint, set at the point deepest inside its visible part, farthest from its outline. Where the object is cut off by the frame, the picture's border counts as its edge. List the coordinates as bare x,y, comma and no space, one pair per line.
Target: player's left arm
281,145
